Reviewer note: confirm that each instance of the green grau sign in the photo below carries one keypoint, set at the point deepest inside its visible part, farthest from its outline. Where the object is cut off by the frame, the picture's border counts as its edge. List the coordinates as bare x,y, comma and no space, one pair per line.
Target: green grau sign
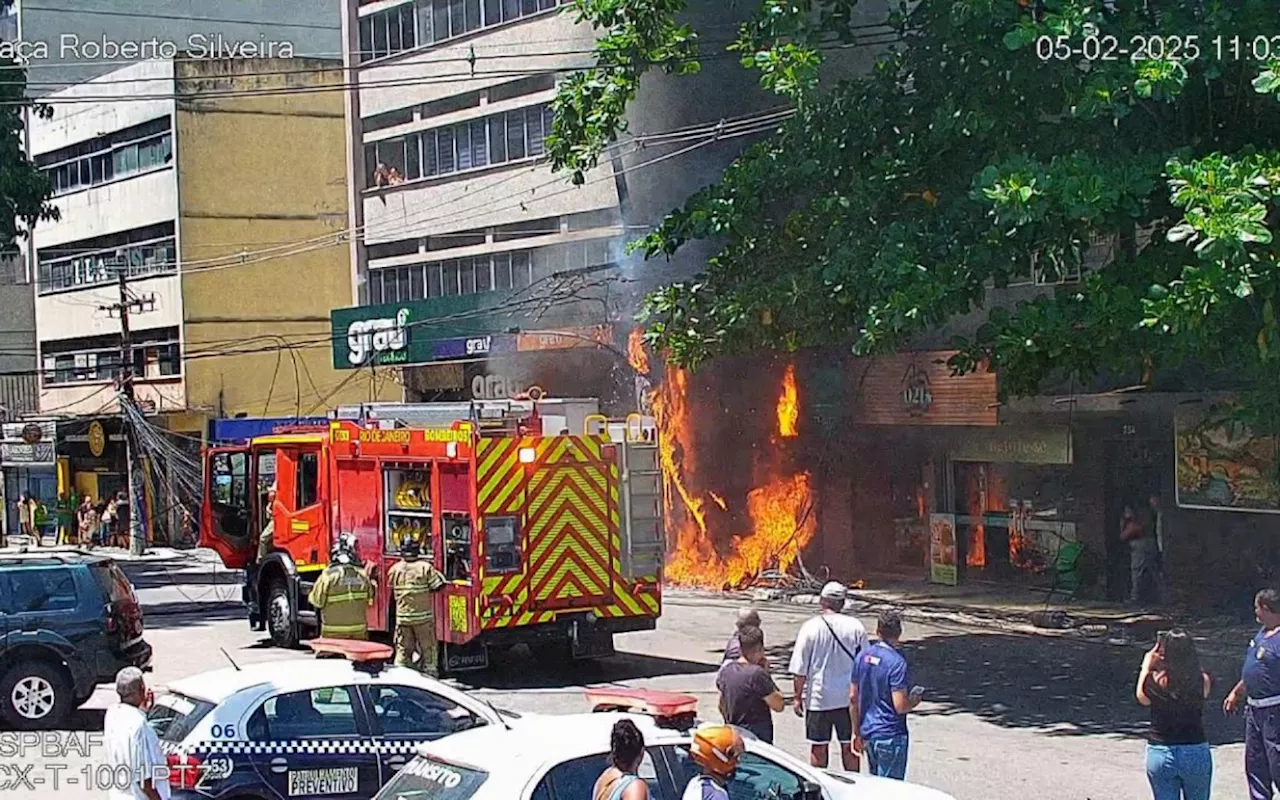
377,341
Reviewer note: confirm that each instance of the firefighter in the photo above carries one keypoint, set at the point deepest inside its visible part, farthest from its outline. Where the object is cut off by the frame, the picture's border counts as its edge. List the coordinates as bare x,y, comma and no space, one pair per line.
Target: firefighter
415,582
342,594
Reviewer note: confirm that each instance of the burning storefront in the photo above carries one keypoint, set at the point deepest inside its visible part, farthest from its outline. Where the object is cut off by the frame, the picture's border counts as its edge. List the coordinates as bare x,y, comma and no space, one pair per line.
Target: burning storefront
830,465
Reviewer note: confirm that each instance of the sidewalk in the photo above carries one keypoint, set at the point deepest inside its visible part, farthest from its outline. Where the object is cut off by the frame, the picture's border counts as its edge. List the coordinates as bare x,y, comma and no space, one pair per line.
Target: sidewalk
1028,610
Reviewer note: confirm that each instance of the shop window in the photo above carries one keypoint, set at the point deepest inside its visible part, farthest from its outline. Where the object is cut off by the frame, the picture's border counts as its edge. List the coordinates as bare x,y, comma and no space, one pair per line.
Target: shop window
502,544
307,485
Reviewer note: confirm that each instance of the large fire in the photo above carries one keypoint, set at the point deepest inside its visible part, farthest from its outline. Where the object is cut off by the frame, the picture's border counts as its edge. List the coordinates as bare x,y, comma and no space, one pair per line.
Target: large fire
710,549
788,404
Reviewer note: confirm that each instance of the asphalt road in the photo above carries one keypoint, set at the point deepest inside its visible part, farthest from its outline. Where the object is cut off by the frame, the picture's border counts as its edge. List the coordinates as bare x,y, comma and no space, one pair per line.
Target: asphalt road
1006,716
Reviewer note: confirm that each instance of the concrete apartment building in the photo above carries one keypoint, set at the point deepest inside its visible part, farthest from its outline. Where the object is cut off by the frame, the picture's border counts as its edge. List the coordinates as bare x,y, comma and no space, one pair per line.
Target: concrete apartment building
460,216
152,175
63,42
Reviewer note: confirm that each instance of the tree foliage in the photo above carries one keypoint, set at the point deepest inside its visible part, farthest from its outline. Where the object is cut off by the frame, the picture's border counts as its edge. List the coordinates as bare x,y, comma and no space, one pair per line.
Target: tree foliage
990,133
24,189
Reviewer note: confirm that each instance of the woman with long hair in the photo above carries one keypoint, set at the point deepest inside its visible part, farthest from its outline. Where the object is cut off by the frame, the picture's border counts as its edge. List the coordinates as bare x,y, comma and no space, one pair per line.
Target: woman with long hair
1172,684
621,780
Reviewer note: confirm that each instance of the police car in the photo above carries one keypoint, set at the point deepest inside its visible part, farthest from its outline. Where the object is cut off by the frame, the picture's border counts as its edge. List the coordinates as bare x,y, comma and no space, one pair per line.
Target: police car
560,757
334,728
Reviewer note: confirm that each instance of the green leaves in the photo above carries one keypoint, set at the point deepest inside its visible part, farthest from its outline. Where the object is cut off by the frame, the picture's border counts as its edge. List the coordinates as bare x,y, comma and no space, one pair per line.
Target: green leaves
902,199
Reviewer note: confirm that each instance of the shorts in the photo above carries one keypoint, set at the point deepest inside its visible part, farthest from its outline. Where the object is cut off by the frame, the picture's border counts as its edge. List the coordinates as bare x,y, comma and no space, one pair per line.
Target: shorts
819,725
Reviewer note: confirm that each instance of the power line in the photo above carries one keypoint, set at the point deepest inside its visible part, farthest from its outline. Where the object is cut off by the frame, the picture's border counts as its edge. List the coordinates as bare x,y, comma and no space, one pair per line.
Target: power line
180,17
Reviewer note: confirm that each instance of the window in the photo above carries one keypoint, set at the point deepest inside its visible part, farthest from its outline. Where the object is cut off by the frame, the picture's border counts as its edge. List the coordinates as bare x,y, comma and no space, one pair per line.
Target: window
307,488
756,776
156,356
475,144
502,544
174,716
231,479
132,150
408,711
311,714
421,778
32,590
142,251
485,273
388,32
573,778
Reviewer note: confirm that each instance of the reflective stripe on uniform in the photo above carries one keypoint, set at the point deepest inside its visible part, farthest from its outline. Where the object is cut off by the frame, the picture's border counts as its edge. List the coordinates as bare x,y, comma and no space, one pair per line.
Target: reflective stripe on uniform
416,618
1265,702
349,597
358,628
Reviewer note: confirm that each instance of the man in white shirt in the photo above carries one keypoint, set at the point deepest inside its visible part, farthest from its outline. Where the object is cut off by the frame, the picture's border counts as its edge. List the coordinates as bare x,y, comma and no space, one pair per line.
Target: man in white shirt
822,670
133,750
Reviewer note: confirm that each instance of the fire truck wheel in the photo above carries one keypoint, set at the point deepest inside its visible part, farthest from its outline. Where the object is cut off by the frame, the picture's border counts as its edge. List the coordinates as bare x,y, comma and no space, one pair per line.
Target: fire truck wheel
280,616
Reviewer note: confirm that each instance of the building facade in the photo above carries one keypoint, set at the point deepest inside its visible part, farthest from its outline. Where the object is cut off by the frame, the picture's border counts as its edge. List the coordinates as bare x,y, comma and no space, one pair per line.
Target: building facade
228,313
506,275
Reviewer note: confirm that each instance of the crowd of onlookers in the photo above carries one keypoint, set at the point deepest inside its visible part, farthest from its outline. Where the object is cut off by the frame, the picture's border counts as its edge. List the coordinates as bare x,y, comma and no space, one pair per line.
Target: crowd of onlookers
845,686
77,520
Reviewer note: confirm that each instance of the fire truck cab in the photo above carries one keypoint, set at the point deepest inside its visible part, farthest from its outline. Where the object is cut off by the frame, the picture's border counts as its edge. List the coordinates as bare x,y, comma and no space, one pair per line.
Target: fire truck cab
546,537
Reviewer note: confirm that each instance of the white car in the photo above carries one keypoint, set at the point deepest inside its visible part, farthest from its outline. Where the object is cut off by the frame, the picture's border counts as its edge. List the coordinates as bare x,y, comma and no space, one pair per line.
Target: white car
327,727
560,757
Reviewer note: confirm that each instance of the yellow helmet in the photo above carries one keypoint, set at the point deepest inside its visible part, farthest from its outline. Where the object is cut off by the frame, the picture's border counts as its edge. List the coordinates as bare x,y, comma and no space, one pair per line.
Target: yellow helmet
717,748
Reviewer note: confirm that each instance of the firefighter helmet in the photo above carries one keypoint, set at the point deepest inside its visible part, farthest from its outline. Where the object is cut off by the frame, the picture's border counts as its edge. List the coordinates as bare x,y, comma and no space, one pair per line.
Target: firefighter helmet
716,749
410,548
344,550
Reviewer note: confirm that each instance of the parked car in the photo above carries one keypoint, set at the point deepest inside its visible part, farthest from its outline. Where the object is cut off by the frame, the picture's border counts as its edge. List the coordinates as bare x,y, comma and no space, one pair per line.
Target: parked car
337,727
560,757
68,621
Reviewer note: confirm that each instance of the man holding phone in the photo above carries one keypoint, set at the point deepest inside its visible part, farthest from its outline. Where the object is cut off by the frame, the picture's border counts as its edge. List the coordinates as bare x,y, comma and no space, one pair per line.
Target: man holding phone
881,700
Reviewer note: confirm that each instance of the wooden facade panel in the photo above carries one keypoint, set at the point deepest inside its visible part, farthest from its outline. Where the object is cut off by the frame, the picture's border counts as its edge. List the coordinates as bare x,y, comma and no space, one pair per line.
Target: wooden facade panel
917,388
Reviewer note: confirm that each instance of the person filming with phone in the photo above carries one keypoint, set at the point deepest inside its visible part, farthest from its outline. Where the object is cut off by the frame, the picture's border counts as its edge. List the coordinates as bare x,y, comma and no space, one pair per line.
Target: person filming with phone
881,700
1172,684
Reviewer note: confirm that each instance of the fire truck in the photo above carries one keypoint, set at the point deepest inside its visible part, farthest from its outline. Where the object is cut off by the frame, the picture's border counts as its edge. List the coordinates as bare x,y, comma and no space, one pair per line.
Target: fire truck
546,536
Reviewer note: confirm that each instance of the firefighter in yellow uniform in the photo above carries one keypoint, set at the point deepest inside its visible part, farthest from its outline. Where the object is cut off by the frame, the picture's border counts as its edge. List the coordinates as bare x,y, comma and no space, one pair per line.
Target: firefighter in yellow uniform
415,583
342,594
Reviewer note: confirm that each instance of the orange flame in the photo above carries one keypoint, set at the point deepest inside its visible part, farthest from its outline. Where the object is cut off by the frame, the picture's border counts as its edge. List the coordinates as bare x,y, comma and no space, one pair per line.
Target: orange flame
788,404
637,356
779,508
986,493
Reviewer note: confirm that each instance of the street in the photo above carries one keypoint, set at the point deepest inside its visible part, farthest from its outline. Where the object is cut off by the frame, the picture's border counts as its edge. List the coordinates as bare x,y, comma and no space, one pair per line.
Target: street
1007,716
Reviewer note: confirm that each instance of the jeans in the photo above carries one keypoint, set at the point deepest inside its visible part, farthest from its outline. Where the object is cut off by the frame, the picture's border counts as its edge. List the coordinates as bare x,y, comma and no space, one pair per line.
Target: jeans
888,757
1262,751
1144,571
1179,771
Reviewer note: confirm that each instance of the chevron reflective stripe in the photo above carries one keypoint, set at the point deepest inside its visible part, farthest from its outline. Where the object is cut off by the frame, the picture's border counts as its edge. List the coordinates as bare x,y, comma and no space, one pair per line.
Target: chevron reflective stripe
499,475
296,746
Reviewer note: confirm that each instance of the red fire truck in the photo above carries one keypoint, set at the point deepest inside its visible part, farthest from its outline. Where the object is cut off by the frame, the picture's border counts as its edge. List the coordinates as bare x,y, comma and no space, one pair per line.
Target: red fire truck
546,537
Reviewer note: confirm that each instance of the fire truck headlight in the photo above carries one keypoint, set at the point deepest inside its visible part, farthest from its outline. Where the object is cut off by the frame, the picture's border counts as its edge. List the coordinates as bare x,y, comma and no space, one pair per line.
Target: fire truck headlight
451,449
528,455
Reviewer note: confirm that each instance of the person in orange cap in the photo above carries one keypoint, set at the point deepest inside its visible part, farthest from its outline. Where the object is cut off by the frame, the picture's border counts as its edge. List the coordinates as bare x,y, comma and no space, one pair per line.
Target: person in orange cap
716,750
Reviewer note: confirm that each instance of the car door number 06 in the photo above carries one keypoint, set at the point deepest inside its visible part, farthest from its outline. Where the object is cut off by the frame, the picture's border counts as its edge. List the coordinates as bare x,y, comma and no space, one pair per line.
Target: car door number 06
224,731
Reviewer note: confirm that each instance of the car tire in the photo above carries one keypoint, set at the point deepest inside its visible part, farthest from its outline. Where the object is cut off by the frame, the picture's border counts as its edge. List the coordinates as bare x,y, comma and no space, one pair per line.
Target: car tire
282,623
34,695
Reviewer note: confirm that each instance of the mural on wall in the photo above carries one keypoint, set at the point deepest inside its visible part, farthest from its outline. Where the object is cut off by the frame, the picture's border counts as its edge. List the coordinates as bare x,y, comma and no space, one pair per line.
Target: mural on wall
1221,464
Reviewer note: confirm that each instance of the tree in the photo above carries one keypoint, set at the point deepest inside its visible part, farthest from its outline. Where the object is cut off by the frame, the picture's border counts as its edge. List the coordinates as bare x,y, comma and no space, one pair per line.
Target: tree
991,132
24,189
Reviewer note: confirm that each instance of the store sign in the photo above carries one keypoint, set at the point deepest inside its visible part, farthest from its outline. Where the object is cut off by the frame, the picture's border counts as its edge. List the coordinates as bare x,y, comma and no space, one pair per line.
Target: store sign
97,439
918,389
943,558
28,443
1013,445
496,387
565,339
379,341
472,347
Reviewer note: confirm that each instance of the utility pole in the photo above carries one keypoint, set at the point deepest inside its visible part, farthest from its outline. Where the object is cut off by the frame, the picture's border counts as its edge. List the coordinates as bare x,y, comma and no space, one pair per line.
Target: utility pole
137,545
